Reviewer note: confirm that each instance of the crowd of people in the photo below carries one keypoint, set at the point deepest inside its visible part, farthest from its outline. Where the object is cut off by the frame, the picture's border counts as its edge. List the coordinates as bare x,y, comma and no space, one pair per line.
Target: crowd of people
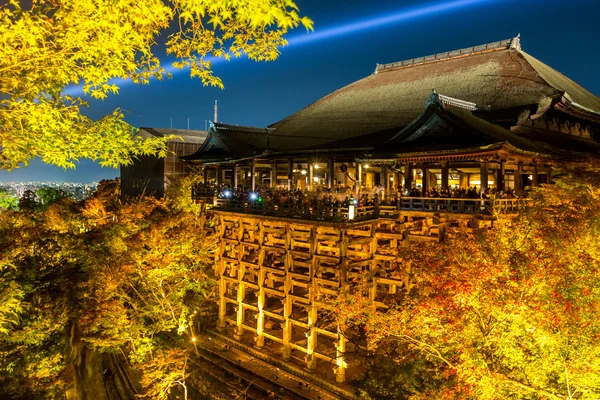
333,199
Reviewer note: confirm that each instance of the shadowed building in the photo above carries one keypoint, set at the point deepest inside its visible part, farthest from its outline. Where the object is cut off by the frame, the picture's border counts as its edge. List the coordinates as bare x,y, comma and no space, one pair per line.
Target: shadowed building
151,175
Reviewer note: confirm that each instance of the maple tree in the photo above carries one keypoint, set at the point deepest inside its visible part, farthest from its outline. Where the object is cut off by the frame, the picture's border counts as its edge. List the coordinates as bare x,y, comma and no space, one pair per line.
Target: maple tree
54,45
121,284
510,314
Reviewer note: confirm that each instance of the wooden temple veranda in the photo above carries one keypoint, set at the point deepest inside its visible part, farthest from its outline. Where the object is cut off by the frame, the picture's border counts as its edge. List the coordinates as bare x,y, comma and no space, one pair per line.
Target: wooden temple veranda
442,163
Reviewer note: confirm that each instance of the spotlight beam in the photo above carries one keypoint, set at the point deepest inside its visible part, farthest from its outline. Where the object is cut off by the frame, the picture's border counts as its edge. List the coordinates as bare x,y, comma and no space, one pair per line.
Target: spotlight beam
403,15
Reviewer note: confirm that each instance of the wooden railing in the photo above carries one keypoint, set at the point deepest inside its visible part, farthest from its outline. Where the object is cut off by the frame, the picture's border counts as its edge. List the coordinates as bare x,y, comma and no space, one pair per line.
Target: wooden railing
322,213
459,205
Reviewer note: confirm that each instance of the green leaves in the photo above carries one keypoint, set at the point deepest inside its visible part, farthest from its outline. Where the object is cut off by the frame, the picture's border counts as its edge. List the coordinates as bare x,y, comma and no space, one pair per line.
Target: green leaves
55,45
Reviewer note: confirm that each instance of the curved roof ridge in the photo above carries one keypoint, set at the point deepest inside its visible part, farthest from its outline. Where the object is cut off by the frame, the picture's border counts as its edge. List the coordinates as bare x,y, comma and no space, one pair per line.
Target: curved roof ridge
240,128
512,43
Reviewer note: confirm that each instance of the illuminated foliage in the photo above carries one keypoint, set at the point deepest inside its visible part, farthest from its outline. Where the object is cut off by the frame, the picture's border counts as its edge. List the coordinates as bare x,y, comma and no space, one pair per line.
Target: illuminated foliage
55,44
8,202
104,277
512,314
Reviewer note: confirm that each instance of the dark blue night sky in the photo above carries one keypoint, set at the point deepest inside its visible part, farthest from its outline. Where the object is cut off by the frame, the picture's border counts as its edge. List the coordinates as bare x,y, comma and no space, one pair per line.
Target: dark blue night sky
350,38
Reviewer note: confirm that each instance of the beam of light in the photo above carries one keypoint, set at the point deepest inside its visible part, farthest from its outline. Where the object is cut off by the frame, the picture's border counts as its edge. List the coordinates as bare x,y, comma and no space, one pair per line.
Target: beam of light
403,15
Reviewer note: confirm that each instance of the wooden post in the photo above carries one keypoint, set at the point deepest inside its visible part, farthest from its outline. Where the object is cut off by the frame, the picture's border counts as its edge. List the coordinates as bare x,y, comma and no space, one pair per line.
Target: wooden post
483,177
234,178
385,181
222,302
519,178
330,172
253,174
340,349
311,346
273,174
408,177
241,294
535,177
358,177
500,175
219,177
290,173
260,320
204,174
311,171
445,172
424,180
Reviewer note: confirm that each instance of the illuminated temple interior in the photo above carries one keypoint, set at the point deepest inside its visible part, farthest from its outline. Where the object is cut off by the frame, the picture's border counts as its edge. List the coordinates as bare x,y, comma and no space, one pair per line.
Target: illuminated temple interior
489,117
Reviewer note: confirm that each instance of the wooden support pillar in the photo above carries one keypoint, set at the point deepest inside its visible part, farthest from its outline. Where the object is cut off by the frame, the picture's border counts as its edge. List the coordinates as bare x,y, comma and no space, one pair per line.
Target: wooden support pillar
385,181
287,304
234,178
260,318
219,177
408,176
253,174
519,186
205,174
340,349
535,176
311,171
241,294
445,172
222,302
290,173
273,174
311,345
483,177
424,180
330,173
358,177
500,175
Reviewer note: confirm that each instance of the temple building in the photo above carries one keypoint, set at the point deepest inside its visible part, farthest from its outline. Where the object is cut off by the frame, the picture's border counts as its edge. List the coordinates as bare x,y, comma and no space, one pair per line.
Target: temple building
497,118
491,119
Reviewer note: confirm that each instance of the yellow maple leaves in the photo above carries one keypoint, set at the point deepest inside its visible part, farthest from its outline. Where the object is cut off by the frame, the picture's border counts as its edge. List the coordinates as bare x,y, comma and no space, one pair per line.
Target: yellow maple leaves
54,45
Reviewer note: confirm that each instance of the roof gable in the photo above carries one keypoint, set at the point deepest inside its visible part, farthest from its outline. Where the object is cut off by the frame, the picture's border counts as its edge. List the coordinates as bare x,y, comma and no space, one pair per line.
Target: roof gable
445,127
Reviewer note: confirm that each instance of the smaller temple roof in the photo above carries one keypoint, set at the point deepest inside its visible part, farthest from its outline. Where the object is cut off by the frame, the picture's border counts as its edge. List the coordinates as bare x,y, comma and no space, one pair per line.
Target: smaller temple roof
188,135
443,126
226,142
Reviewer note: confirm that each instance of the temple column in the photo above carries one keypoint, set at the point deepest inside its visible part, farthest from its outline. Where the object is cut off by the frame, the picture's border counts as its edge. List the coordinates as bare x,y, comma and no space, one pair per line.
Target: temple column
330,172
311,171
253,174
534,179
234,178
205,174
219,177
445,172
273,174
311,346
500,175
408,177
424,180
483,177
519,177
385,181
290,173
358,177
